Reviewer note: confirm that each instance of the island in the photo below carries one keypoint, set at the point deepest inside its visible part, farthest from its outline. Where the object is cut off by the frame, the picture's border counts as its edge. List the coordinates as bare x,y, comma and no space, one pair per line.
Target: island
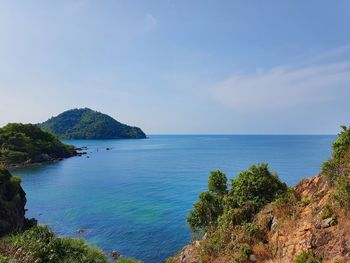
89,124
25,144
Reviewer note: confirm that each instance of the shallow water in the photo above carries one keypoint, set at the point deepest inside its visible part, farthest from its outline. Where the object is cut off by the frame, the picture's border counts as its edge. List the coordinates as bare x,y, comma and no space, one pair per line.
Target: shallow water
135,197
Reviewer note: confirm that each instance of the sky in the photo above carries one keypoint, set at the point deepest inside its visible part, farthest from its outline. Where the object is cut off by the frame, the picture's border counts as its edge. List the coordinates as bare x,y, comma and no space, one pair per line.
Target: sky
180,66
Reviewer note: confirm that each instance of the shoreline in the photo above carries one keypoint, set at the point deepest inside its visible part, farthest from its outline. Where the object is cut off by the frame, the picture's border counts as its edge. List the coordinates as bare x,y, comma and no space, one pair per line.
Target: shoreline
78,152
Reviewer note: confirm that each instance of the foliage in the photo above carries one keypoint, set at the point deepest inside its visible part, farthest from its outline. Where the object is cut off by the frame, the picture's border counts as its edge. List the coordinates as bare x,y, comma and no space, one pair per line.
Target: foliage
285,206
327,212
88,124
252,189
206,211
338,165
127,260
342,143
307,256
42,246
217,183
22,142
337,169
257,185
227,216
341,193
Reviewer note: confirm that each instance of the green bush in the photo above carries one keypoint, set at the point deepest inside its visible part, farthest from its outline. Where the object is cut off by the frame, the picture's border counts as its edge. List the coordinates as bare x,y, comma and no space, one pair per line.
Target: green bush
217,183
286,205
326,212
341,193
44,247
227,216
6,260
257,185
127,260
252,189
342,144
205,212
338,165
307,257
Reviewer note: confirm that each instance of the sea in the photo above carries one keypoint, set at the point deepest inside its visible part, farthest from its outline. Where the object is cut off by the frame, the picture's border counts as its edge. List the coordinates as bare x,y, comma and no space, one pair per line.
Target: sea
133,196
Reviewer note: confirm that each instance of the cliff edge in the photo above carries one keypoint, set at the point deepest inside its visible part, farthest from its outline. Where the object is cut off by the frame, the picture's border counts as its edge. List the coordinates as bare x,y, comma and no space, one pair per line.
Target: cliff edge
307,223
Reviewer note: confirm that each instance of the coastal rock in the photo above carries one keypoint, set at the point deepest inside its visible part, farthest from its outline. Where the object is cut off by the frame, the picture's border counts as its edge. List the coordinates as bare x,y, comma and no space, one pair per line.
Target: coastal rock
327,222
12,202
81,230
115,255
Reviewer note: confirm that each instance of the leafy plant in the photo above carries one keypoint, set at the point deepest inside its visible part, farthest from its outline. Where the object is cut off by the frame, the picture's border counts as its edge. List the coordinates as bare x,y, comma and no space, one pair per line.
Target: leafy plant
42,246
257,185
217,183
341,193
307,256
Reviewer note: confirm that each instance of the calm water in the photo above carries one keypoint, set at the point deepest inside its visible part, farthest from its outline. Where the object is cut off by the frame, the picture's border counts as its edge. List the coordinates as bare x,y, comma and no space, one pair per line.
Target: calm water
135,197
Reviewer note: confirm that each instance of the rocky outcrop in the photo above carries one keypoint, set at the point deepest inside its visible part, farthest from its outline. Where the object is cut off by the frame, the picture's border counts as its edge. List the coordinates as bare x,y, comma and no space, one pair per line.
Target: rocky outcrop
327,238
12,203
305,230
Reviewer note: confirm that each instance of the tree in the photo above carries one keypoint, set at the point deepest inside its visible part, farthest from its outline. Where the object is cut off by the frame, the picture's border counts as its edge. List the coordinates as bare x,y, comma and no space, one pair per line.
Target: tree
217,183
205,212
257,185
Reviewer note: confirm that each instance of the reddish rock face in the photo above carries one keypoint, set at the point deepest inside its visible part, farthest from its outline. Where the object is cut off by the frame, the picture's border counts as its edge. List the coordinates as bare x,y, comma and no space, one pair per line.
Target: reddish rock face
308,231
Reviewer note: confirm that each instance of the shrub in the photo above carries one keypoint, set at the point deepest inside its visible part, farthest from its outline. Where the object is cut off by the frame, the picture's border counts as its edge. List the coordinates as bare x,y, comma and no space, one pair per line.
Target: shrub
285,205
128,260
43,247
338,165
257,185
217,183
307,256
206,211
261,251
341,192
326,212
342,144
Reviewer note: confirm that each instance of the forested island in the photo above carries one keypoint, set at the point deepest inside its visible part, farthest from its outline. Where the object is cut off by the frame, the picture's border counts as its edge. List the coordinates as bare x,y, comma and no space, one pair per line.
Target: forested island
24,144
89,124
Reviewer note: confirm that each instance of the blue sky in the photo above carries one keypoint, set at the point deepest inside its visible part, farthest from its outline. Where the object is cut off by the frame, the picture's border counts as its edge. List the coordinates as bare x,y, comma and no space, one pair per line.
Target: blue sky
180,66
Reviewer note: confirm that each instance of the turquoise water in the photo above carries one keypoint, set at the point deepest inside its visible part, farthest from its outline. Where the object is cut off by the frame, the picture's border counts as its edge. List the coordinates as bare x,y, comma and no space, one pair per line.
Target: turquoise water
135,197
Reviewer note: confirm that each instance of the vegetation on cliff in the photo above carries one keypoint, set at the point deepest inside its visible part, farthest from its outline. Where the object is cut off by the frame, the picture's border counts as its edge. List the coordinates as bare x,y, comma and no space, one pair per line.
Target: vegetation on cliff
226,216
88,124
21,143
22,241
259,220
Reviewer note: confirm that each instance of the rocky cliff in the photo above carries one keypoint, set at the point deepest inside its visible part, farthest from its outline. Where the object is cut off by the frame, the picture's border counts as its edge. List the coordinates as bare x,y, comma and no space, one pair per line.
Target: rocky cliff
312,227
308,223
12,203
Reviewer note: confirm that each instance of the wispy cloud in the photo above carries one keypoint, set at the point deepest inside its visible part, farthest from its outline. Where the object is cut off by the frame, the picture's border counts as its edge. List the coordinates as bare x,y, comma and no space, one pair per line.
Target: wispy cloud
151,21
286,86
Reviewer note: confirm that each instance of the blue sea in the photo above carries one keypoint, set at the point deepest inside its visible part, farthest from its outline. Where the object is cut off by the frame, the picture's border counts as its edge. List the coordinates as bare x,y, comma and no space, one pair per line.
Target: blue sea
134,198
